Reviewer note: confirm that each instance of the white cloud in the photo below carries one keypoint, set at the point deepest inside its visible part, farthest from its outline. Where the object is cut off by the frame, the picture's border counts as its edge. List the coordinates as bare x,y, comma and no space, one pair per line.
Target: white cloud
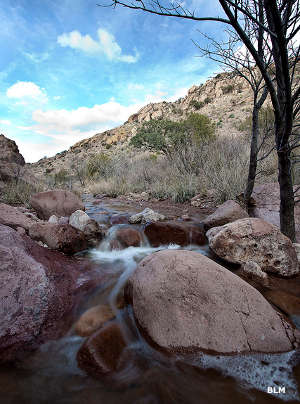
27,90
5,122
106,44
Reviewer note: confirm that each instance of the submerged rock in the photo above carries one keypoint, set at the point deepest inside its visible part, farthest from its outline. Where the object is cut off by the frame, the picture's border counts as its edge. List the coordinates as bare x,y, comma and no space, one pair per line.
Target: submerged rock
38,289
147,215
228,212
93,319
257,241
175,233
185,302
57,202
100,354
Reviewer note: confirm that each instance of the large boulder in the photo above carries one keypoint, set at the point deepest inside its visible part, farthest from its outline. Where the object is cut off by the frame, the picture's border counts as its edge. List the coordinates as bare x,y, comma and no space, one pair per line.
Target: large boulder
38,290
11,161
267,205
228,212
61,237
128,237
165,233
13,217
57,202
81,221
185,302
147,215
257,241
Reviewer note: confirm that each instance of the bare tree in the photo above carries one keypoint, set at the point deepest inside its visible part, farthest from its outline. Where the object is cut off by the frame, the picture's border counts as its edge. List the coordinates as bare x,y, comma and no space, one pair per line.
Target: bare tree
279,21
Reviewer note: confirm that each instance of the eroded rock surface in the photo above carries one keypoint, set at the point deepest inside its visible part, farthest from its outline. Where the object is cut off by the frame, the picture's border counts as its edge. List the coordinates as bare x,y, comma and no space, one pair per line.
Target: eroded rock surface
186,302
228,212
257,241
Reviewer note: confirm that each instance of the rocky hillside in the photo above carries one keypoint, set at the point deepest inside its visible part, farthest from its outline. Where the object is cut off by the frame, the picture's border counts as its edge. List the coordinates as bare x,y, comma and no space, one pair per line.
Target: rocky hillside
226,99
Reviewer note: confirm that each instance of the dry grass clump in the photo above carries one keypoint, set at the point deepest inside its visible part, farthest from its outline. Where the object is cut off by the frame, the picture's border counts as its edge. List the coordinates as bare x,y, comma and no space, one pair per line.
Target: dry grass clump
18,193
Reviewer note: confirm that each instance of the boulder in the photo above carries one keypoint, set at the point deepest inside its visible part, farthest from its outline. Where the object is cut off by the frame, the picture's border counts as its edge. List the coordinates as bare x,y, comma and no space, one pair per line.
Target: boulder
53,219
185,302
267,205
147,215
257,241
118,219
228,212
174,233
57,202
128,237
39,289
13,217
61,237
81,221
93,319
100,354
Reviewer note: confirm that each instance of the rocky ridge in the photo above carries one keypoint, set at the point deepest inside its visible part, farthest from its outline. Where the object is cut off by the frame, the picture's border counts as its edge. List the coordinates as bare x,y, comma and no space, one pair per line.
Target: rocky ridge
226,99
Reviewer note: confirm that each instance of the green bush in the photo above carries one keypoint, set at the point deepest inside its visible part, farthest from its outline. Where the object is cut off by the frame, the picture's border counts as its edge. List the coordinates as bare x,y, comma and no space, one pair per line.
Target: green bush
98,164
228,89
196,104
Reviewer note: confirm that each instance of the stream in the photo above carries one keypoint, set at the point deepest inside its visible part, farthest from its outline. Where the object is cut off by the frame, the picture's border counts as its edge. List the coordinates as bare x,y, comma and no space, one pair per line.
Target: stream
51,375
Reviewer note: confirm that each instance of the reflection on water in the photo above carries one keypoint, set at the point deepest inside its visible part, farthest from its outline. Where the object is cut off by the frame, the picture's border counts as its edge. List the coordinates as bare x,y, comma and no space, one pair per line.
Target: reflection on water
145,376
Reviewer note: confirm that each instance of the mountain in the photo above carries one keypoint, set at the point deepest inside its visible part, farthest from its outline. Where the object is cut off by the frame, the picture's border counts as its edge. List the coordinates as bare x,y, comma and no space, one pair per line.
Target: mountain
226,99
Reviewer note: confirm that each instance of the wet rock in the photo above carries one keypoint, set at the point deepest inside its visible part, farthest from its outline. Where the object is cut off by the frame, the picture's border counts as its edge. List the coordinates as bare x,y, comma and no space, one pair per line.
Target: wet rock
118,219
252,271
257,241
93,319
147,215
267,205
14,217
185,302
128,237
288,303
38,288
175,233
53,219
57,202
100,354
62,237
228,212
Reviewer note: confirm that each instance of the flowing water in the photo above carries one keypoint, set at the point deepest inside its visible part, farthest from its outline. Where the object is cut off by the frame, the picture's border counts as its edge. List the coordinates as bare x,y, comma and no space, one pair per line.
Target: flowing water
51,375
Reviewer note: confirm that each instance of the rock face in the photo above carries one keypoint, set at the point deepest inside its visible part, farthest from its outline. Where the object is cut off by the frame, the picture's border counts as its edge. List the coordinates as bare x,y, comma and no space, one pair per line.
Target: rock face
267,205
175,233
186,302
57,202
13,217
147,215
228,212
38,288
11,161
257,241
61,237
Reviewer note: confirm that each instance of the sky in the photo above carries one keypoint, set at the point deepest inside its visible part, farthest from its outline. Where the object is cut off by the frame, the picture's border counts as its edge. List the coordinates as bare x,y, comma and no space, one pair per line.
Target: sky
70,69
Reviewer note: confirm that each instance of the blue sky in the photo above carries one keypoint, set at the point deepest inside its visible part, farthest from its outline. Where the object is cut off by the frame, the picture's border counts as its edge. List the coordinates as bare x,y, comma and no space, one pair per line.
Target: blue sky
70,69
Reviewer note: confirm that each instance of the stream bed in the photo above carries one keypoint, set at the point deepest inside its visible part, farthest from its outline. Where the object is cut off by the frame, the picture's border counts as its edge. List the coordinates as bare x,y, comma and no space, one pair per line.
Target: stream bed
51,375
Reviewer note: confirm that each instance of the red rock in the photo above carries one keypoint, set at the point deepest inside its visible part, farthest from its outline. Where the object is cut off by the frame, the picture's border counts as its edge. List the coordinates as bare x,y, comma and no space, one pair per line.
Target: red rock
93,319
39,289
61,237
228,212
118,219
100,354
57,202
128,237
159,233
13,217
185,302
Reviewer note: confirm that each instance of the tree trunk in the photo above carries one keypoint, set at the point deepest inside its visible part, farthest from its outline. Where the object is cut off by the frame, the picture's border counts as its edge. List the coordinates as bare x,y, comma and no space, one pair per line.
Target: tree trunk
287,218
253,156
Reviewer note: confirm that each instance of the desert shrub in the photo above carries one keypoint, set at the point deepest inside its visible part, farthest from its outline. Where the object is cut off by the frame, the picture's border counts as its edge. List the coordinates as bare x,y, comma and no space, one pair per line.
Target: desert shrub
20,193
61,177
98,164
207,100
196,104
228,89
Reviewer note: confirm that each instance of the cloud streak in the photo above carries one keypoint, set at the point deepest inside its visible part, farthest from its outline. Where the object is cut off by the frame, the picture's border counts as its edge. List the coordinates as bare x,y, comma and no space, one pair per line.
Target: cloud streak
106,44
